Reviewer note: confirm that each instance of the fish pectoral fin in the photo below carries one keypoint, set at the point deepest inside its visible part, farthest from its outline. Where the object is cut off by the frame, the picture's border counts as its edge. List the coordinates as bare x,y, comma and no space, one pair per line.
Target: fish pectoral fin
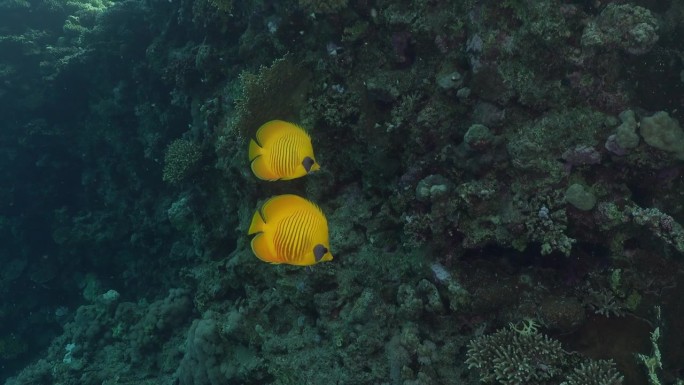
260,248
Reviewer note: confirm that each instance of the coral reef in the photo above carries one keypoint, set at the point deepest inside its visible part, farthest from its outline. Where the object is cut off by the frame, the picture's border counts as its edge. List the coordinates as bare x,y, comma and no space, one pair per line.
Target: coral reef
482,162
108,338
270,93
521,355
598,372
180,160
323,6
208,360
663,133
515,356
631,28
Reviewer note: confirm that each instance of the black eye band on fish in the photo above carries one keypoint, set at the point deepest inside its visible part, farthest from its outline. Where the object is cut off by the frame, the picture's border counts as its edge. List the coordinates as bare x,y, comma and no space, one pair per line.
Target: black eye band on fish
308,163
319,252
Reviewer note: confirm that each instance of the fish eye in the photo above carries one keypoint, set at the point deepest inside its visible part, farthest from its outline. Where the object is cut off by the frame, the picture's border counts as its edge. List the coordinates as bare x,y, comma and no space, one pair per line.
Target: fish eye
308,163
319,251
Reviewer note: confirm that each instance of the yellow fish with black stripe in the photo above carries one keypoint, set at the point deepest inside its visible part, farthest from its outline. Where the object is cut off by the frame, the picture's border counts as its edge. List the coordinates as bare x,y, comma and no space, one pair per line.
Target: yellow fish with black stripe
281,150
292,230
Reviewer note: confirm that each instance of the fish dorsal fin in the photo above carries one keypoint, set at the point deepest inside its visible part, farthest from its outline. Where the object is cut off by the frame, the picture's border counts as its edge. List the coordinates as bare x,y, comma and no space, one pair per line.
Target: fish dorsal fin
275,207
313,207
272,128
268,130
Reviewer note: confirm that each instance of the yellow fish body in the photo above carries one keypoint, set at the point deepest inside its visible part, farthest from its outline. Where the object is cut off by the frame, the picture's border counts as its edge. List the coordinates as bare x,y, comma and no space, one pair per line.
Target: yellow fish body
281,150
291,230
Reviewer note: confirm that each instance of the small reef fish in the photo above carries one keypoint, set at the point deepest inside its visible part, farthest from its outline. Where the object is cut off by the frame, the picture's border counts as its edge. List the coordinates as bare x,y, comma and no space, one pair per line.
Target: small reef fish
281,150
292,230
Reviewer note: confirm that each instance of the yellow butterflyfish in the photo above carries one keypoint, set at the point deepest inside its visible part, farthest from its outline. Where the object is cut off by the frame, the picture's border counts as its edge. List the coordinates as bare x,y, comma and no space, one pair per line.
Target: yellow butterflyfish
292,230
281,150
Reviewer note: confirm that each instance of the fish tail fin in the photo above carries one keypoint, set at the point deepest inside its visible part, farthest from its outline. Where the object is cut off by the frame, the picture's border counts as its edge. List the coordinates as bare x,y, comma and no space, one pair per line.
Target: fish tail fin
260,248
259,167
257,225
254,149
261,170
